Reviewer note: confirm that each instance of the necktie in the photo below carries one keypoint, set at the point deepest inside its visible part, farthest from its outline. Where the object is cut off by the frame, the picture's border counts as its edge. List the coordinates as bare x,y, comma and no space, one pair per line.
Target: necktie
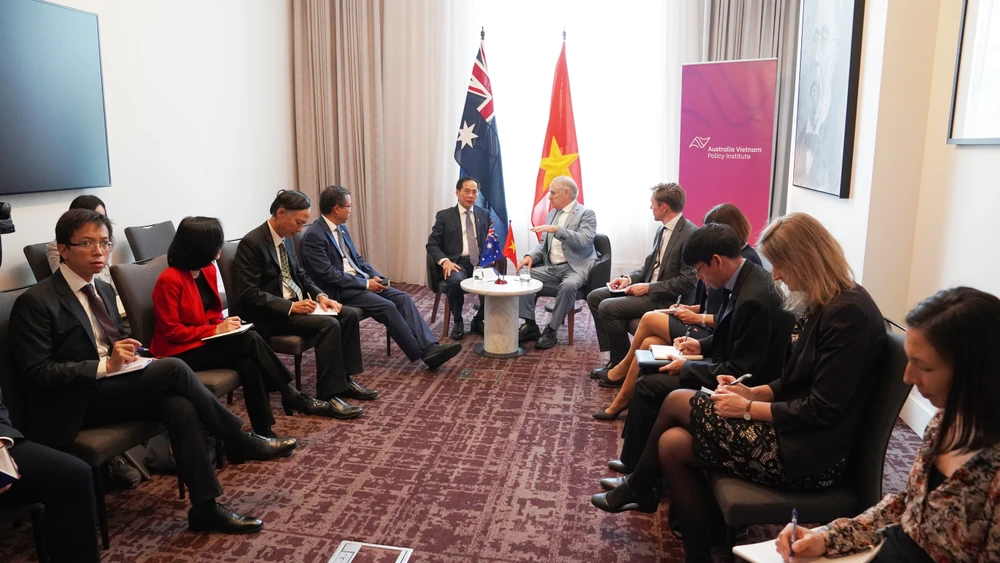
101,313
470,237
548,236
346,251
656,257
286,272
726,294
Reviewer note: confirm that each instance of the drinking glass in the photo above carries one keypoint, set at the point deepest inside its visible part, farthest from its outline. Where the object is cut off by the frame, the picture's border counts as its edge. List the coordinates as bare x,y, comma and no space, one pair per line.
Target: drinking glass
524,274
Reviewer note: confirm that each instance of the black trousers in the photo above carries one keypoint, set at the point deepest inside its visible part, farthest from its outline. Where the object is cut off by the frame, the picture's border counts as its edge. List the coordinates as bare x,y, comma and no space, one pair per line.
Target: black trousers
650,392
456,295
167,391
65,485
259,369
612,313
396,311
338,346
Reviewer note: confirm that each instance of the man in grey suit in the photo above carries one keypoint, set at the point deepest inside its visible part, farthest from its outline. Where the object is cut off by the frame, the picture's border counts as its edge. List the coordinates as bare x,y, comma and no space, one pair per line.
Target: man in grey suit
662,278
562,259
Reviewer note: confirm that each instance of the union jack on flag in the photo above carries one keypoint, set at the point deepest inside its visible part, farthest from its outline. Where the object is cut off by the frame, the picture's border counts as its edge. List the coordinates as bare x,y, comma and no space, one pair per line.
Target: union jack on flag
477,149
492,252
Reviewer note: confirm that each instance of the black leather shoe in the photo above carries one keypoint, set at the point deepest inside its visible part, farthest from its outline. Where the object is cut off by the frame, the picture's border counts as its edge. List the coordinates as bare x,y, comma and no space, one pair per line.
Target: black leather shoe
546,340
308,405
596,373
619,467
254,447
344,411
438,355
477,326
355,391
603,381
611,483
622,499
215,517
458,331
528,332
603,414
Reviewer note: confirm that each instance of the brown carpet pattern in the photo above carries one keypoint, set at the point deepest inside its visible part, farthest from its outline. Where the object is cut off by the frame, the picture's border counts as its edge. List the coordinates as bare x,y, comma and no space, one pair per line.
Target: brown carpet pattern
494,464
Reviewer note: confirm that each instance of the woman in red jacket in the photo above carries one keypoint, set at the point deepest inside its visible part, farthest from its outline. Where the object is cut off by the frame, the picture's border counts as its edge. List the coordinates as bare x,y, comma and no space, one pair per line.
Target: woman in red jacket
188,309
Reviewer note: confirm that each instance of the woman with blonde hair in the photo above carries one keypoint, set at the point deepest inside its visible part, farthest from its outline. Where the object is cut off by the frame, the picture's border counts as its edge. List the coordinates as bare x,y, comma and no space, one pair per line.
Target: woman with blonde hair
793,433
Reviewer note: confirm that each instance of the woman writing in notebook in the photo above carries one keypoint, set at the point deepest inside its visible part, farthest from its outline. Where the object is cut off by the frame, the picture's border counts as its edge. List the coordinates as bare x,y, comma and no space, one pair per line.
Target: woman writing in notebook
950,509
695,321
188,309
795,432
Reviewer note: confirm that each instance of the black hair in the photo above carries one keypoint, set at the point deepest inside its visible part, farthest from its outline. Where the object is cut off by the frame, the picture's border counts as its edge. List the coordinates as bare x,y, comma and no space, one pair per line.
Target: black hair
963,326
464,179
290,200
91,202
196,243
332,196
709,240
71,221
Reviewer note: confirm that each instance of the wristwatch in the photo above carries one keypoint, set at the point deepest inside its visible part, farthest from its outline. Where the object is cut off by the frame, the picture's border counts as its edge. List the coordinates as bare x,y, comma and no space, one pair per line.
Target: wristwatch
703,320
746,414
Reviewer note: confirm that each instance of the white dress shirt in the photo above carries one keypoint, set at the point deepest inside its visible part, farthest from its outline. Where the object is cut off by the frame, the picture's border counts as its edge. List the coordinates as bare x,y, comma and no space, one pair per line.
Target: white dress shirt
556,255
668,229
465,239
286,291
76,285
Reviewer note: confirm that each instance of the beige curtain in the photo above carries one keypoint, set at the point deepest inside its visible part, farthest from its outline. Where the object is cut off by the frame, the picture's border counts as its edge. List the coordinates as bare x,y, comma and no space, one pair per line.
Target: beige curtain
757,29
337,52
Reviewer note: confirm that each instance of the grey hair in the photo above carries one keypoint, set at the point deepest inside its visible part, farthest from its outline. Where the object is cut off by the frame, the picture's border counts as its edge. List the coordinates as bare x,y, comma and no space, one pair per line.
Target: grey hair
565,182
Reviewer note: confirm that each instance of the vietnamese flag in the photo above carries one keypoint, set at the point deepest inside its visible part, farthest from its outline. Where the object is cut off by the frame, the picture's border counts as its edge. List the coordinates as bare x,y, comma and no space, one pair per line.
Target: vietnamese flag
509,250
560,156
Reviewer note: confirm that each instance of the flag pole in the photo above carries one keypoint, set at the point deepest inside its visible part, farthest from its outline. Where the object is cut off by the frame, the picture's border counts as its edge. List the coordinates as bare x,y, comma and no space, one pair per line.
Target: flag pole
482,34
564,33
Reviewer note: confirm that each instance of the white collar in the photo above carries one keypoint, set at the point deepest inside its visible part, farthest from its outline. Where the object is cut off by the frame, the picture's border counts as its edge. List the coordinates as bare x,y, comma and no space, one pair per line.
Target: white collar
569,207
274,235
672,224
75,282
333,226
463,210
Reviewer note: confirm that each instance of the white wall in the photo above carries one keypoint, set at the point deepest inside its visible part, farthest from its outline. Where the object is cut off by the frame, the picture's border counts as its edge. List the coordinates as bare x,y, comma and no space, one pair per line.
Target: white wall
198,98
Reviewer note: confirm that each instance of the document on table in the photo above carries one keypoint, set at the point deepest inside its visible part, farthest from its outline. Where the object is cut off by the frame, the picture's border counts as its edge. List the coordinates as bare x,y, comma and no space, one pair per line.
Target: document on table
766,552
242,329
135,365
661,352
8,474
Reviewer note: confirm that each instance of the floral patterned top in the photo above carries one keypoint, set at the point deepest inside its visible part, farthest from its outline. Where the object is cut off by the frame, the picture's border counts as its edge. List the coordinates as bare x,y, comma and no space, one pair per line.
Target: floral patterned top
959,521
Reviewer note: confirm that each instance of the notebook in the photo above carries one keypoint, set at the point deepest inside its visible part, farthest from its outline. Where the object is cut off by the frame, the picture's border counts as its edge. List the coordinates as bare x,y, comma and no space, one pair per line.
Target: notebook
135,365
766,552
613,290
243,328
661,352
7,472
319,311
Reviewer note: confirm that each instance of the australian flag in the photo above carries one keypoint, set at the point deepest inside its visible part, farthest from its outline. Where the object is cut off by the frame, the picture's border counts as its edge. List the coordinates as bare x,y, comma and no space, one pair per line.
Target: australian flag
477,149
492,252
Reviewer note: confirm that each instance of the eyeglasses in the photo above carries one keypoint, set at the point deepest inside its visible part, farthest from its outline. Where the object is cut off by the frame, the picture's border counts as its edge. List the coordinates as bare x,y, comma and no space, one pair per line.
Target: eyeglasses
698,270
106,245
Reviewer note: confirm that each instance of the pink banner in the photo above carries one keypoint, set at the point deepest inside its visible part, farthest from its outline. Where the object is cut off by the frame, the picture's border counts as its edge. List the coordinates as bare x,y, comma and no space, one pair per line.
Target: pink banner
727,137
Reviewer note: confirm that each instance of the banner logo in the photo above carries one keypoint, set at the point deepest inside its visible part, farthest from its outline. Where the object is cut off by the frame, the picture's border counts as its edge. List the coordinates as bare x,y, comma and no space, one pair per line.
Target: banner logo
699,142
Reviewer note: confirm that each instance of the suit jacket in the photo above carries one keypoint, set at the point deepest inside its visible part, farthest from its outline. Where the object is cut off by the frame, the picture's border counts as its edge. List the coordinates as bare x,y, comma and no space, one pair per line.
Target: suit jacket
711,299
820,400
577,237
57,357
257,294
676,277
750,337
6,429
323,260
445,240
181,318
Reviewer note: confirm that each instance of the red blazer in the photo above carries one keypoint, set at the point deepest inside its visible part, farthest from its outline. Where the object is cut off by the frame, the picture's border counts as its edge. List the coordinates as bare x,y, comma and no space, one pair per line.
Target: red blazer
181,319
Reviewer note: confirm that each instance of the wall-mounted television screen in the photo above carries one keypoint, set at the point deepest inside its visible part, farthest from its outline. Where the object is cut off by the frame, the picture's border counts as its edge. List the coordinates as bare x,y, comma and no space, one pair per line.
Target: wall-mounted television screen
53,134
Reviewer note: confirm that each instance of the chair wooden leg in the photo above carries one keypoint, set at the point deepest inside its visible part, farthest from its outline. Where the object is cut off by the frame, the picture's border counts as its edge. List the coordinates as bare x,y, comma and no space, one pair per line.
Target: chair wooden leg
180,486
388,342
447,319
220,459
298,371
572,325
730,542
229,398
37,527
102,509
434,312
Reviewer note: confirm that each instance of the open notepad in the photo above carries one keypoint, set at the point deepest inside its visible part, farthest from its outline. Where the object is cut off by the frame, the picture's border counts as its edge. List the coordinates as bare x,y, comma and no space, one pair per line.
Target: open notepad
243,328
613,290
135,365
766,552
661,352
319,311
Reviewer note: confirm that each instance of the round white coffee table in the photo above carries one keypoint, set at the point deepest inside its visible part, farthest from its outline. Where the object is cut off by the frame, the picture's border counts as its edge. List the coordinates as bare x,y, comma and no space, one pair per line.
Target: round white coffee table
500,333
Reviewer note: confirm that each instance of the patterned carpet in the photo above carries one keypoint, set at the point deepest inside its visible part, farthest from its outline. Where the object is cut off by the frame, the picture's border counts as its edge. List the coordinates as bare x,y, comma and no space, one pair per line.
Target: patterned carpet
493,465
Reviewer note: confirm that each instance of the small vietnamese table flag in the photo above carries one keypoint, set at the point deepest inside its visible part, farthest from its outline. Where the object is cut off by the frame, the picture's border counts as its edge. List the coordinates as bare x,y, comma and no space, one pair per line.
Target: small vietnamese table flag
560,156
509,250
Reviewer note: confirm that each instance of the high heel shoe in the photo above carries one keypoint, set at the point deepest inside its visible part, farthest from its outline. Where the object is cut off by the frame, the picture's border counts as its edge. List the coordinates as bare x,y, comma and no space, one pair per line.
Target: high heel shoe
607,382
622,499
604,415
612,483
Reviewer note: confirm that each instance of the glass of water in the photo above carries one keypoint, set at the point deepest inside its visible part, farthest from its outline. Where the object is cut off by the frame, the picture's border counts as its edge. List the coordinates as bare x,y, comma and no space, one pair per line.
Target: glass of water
524,274
477,273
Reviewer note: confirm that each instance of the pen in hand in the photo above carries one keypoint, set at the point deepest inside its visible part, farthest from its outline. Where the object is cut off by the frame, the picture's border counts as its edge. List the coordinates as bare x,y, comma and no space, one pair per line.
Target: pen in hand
795,524
739,379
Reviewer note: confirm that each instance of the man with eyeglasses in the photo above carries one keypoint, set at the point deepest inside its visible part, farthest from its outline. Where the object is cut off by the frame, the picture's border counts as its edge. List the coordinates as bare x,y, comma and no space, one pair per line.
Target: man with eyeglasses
71,352
752,331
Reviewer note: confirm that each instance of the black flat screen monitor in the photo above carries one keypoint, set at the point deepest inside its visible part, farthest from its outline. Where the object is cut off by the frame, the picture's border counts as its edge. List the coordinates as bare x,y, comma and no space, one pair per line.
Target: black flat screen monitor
53,134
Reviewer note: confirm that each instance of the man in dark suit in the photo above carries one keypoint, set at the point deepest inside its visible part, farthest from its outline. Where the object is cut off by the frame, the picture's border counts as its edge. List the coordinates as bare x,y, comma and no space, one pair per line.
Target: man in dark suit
455,244
331,260
752,332
63,483
662,278
71,347
272,290
562,259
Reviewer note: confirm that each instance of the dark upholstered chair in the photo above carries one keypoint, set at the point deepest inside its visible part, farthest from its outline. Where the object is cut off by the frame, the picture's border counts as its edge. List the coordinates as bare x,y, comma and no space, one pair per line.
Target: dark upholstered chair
95,446
437,284
745,504
599,276
150,241
12,515
38,260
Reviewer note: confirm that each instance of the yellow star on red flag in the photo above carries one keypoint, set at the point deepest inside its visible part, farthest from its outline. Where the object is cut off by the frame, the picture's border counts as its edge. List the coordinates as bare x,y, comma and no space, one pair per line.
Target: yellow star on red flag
556,164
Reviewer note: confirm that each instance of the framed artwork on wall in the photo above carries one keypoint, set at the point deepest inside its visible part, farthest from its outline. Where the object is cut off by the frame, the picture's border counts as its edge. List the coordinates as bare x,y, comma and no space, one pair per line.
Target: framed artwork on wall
975,111
827,95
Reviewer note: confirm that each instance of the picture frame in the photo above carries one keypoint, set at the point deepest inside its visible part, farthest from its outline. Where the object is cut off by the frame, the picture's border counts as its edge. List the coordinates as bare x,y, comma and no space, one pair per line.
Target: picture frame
827,95
974,116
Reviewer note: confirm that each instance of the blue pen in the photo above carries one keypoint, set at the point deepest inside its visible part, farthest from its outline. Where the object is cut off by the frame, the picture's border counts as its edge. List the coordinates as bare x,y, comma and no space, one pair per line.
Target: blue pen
141,349
795,524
